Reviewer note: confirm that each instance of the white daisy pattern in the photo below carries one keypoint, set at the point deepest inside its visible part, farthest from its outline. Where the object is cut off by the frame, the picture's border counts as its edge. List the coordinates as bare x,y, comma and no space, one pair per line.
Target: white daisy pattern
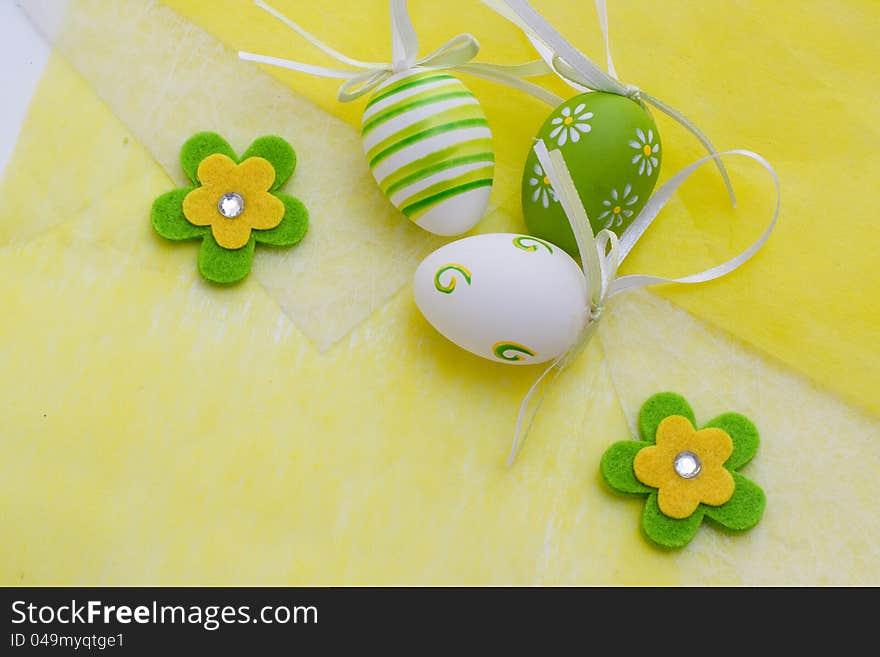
647,148
543,192
618,207
570,125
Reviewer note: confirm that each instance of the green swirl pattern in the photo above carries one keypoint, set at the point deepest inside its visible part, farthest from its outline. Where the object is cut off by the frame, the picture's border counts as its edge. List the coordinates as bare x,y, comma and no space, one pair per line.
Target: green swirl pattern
527,243
511,351
450,286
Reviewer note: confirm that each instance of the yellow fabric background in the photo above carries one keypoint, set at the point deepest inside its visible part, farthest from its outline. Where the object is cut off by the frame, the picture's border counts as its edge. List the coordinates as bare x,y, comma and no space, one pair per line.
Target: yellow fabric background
163,431
794,81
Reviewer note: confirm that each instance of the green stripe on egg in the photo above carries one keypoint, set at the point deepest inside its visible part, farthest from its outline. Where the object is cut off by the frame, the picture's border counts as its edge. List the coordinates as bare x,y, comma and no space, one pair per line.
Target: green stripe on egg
425,98
428,144
415,80
419,203
479,150
397,141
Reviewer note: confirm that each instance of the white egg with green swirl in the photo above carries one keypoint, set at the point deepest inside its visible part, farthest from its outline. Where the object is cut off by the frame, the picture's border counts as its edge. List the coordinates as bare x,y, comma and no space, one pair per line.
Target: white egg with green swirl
507,297
429,146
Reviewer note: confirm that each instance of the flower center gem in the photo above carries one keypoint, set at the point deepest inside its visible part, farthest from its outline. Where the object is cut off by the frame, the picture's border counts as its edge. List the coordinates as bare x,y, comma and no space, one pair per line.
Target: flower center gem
616,209
231,205
546,180
647,150
568,120
687,465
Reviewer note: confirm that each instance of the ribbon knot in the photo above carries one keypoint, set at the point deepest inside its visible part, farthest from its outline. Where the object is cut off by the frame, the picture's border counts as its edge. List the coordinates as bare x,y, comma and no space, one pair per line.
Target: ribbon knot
632,91
364,77
602,254
453,54
581,73
600,258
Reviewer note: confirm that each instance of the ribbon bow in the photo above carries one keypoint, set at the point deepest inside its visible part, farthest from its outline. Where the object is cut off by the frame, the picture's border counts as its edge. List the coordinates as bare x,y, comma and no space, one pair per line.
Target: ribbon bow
602,254
581,73
364,77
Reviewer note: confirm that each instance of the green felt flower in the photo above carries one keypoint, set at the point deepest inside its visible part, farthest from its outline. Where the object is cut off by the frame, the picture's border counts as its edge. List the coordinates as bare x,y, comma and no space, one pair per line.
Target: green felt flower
686,473
233,203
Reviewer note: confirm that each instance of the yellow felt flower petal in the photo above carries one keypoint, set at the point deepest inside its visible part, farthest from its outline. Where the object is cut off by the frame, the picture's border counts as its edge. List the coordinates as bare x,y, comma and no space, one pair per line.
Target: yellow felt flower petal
255,174
678,497
231,233
678,501
675,432
716,485
771,302
200,206
250,179
262,211
216,169
653,466
713,445
533,515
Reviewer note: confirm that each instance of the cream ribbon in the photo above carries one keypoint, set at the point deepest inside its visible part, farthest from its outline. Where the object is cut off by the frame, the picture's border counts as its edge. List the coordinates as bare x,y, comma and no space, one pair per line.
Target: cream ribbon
602,254
581,73
456,54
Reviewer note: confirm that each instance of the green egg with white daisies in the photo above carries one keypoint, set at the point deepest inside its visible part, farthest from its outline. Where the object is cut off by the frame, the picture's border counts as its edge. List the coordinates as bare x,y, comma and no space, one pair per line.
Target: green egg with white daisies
612,149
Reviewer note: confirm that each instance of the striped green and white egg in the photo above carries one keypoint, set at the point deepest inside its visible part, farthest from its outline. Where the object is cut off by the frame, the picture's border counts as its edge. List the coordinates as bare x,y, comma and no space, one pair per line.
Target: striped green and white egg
506,297
429,147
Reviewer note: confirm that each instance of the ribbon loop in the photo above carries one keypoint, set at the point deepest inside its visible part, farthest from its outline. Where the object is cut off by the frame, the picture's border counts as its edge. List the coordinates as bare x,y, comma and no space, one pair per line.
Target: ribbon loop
455,54
581,73
457,51
357,85
602,255
609,260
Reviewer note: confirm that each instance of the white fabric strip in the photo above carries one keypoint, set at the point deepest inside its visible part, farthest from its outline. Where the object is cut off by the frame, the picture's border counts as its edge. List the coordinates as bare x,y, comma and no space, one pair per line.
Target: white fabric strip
359,250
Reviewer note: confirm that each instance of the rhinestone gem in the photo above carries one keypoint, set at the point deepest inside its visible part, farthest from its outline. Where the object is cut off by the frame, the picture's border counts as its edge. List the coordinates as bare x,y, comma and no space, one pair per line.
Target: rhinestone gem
687,465
231,205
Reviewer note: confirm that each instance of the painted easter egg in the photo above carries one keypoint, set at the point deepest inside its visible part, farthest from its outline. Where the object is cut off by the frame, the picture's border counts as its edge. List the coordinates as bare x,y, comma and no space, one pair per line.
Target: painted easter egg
429,147
506,297
612,148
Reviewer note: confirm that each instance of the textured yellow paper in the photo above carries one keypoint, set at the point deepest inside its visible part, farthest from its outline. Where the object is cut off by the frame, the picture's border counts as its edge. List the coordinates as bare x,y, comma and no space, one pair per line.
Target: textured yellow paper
125,459
820,527
793,80
158,430
166,79
380,461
